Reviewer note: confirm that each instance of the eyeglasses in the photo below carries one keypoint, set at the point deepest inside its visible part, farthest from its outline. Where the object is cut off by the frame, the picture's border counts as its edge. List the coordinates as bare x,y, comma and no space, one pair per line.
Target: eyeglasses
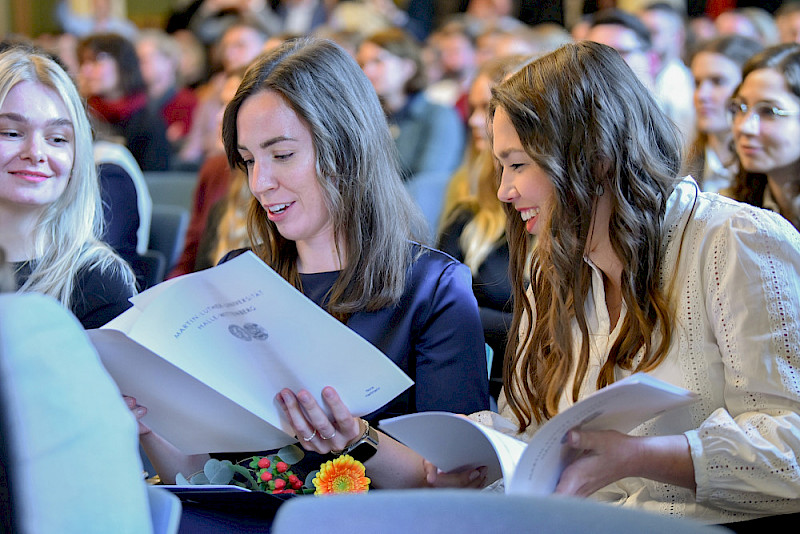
738,110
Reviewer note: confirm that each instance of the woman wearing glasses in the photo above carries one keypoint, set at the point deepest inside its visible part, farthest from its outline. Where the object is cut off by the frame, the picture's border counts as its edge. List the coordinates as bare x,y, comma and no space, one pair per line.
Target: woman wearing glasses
717,70
765,112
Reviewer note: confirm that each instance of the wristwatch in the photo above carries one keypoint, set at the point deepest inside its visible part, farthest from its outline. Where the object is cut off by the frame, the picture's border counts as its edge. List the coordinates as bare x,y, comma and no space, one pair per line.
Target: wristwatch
366,446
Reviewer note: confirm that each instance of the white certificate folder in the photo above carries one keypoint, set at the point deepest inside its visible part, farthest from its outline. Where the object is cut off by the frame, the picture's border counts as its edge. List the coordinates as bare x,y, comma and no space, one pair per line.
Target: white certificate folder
207,353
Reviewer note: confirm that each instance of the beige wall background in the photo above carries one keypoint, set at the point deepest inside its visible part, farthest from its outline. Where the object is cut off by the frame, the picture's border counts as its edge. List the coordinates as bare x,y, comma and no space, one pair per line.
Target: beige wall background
35,17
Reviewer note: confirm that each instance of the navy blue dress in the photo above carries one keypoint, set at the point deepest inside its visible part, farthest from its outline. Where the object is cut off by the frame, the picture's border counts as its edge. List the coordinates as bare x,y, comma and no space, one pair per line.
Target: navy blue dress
433,334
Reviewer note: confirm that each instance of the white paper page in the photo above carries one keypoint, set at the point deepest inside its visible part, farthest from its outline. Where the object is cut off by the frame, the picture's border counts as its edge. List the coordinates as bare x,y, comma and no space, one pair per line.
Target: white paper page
454,443
244,331
199,419
142,300
622,406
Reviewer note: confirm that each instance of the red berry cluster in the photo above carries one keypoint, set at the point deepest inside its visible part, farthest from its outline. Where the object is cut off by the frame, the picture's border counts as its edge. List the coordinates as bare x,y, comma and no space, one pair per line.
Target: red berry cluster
275,477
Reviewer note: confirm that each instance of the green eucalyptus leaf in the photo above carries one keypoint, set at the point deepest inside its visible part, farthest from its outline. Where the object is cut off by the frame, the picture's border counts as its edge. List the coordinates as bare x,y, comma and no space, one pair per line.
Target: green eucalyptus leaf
291,454
199,478
181,480
218,472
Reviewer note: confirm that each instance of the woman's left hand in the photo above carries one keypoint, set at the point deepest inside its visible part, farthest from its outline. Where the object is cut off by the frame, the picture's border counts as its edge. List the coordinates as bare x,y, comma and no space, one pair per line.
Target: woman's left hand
603,457
314,430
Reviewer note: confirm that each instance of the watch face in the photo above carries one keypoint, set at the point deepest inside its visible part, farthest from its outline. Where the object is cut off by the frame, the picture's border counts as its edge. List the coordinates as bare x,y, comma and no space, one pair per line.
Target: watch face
365,448
363,451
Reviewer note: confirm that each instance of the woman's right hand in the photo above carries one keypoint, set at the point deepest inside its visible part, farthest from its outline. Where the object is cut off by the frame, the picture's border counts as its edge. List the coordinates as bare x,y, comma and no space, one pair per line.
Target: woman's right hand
138,413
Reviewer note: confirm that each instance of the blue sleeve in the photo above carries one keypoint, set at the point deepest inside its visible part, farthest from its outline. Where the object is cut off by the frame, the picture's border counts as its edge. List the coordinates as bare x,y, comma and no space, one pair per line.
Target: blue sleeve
451,372
443,149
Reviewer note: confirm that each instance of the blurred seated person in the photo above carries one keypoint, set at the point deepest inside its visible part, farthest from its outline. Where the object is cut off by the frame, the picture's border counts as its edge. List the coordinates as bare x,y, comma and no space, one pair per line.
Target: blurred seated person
752,22
672,78
628,35
765,112
429,137
473,223
210,19
455,45
50,204
213,183
717,70
301,17
226,227
160,60
241,43
111,81
787,19
127,205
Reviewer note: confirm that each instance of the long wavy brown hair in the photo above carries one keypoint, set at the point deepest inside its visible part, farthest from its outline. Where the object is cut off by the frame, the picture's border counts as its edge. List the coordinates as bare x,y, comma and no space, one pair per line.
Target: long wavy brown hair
583,116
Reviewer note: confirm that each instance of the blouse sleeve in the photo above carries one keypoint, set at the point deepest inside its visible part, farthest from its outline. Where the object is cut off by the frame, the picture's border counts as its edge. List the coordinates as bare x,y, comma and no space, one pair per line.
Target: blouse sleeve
451,372
745,453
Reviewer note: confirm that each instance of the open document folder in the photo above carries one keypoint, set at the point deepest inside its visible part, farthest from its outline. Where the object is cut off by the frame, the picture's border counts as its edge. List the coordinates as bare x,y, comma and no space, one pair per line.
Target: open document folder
453,442
208,352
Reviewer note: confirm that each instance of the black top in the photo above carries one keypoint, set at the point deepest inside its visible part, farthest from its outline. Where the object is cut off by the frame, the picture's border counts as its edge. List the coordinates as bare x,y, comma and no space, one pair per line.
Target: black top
492,288
98,297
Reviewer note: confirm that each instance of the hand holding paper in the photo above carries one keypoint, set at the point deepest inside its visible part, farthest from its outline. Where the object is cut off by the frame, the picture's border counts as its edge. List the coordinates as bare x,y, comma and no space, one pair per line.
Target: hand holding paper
208,353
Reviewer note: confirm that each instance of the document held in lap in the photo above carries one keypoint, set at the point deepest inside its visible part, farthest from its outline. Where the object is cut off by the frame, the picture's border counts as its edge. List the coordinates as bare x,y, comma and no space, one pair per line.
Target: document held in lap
453,442
207,353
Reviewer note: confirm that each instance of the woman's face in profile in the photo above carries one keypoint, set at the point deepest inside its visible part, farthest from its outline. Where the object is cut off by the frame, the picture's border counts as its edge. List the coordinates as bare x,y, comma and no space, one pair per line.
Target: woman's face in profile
715,78
37,146
523,182
480,93
278,150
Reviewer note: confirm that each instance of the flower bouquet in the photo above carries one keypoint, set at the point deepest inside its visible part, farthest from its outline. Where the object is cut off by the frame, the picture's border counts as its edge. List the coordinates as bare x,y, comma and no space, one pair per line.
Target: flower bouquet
273,474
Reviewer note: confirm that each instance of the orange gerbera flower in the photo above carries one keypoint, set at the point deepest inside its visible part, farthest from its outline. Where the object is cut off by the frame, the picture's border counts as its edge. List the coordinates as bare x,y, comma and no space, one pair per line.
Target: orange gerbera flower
341,475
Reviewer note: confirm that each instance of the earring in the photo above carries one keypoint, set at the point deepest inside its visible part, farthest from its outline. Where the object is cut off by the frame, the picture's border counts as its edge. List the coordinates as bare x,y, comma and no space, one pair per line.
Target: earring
600,190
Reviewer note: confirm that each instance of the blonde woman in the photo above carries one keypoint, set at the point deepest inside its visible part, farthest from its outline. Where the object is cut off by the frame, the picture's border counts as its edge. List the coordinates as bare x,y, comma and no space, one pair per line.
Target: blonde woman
50,210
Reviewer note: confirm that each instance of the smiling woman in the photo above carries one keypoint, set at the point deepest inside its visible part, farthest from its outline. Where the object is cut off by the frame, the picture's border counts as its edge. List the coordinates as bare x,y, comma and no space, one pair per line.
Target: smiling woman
765,113
636,270
49,198
717,70
330,214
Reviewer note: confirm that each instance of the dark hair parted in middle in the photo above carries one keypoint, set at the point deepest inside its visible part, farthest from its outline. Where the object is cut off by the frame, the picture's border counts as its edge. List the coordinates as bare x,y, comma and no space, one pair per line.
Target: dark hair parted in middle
356,160
585,118
123,52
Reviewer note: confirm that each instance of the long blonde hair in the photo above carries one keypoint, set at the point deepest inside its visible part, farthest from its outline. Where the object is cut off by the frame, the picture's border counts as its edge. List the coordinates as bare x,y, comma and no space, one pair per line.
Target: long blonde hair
585,119
232,229
473,187
66,235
